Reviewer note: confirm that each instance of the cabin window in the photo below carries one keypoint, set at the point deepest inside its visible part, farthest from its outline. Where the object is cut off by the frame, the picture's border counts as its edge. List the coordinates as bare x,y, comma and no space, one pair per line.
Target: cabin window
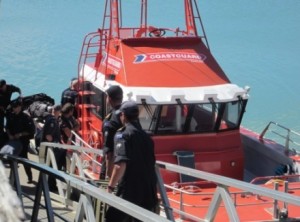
191,118
231,115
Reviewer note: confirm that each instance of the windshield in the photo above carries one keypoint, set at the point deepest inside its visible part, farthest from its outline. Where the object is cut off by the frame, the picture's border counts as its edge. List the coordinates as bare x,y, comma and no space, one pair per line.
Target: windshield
191,118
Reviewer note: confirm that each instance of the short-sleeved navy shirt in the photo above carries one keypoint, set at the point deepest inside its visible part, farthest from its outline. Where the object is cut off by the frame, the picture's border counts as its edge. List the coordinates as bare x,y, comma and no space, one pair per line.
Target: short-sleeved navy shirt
136,148
69,96
51,127
110,126
18,123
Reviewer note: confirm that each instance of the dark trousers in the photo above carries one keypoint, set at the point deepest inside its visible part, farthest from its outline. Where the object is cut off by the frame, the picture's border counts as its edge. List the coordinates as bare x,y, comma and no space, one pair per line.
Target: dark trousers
2,117
103,168
24,154
114,215
60,157
3,138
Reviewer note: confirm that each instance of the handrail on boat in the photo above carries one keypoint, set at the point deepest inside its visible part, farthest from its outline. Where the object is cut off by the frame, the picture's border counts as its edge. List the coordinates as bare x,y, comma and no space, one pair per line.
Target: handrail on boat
281,177
287,137
222,193
93,158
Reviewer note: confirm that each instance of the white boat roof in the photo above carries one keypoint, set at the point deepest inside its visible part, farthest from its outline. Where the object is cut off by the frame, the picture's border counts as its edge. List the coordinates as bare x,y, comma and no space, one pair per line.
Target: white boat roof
160,95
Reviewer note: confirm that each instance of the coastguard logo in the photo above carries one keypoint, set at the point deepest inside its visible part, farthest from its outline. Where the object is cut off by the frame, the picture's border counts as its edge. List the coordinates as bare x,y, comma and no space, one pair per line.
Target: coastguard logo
169,56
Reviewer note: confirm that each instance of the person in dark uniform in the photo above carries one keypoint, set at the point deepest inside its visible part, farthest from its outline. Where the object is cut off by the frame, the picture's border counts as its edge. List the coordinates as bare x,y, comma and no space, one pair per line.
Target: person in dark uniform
6,92
68,124
51,130
134,165
70,95
110,125
51,134
20,126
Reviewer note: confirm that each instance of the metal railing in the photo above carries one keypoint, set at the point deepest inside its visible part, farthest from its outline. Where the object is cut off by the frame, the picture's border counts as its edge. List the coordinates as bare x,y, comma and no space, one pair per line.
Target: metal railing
92,156
221,196
222,193
88,192
287,136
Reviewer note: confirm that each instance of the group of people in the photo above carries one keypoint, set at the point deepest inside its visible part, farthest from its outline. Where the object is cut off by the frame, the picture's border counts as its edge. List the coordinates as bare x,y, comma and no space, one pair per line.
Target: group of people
17,127
129,161
129,156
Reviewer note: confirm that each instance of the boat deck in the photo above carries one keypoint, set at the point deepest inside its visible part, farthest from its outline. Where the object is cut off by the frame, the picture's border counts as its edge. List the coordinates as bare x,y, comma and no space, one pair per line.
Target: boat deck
249,207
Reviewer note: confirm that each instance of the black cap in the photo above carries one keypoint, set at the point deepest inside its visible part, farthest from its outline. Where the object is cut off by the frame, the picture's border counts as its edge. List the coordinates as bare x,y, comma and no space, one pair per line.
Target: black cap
16,102
2,82
129,108
115,92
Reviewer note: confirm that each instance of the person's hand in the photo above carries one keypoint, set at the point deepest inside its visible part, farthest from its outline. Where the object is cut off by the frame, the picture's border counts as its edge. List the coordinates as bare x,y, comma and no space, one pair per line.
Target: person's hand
11,137
17,136
110,189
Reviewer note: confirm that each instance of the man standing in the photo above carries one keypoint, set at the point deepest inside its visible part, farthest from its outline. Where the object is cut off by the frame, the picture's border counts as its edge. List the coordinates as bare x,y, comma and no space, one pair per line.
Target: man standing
51,134
70,95
68,124
20,126
110,126
51,130
134,165
6,92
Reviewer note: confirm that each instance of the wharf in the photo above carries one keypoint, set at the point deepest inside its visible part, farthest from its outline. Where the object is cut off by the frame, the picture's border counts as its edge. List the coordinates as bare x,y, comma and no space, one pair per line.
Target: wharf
61,212
78,199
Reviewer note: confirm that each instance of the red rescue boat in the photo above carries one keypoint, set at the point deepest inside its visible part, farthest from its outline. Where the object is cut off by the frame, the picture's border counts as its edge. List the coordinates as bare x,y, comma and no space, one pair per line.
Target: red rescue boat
187,104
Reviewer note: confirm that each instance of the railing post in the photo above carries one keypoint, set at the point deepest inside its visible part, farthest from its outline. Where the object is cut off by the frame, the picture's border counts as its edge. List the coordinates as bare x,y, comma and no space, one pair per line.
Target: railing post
163,194
286,189
181,205
261,136
275,205
287,141
284,211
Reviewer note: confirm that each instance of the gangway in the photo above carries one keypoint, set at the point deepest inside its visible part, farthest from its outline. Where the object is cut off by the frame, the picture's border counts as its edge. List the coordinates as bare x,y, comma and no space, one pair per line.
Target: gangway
89,194
222,193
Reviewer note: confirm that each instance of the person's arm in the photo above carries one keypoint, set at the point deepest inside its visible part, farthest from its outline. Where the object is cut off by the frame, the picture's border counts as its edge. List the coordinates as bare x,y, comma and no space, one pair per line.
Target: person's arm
14,136
109,163
68,133
8,128
117,174
120,161
49,138
62,100
10,136
75,124
108,147
16,89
